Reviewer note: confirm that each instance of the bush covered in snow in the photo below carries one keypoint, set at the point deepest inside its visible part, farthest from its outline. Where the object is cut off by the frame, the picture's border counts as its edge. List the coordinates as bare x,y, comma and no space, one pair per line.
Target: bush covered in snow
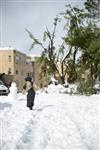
87,88
55,87
62,89
97,88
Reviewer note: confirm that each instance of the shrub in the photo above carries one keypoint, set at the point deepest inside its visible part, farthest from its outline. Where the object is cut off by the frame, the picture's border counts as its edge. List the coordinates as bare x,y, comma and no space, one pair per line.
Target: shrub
85,87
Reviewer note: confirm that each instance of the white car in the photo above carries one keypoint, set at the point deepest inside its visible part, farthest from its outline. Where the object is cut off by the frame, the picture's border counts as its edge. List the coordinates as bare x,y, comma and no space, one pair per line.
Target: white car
3,89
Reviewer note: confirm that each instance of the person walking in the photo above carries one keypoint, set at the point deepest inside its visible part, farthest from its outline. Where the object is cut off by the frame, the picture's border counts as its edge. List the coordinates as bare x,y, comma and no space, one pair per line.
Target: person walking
29,88
30,97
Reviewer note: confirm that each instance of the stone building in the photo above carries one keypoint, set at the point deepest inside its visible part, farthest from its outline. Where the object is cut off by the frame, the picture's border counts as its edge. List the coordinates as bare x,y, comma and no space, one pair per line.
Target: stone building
15,65
40,82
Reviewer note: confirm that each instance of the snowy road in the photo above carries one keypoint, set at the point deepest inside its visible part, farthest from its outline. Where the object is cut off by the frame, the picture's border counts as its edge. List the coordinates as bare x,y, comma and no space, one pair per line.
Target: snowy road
58,122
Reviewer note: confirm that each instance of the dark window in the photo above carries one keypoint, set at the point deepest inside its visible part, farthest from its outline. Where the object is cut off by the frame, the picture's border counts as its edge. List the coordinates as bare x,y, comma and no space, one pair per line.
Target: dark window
9,71
9,58
16,71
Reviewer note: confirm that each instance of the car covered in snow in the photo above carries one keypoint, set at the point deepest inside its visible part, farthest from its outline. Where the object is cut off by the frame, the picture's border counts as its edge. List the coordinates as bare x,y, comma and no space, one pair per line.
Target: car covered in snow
3,89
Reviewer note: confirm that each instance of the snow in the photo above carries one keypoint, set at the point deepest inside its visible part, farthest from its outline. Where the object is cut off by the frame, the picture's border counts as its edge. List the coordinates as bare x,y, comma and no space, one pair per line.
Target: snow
13,91
6,48
52,89
57,122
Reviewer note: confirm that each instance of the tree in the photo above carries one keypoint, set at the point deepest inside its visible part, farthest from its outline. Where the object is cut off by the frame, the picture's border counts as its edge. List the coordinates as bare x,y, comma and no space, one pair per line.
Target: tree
92,50
50,54
83,35
74,25
93,9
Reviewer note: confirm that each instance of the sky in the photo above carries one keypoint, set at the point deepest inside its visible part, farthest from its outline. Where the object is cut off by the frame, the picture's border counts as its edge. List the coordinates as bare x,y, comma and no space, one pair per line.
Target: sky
18,15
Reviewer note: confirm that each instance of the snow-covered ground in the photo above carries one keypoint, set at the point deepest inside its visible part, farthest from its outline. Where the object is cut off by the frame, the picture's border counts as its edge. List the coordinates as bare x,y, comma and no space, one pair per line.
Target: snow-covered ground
58,122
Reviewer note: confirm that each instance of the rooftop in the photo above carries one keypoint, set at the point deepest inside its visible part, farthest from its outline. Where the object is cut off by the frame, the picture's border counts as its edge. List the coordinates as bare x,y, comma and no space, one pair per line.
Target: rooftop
7,48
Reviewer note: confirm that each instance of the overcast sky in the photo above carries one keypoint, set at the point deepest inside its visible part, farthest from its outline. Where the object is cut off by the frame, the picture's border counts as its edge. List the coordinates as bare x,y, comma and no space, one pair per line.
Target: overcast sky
18,15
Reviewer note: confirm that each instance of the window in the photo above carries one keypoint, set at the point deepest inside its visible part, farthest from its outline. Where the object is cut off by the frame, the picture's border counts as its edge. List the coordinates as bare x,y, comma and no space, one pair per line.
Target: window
16,59
9,70
9,58
16,71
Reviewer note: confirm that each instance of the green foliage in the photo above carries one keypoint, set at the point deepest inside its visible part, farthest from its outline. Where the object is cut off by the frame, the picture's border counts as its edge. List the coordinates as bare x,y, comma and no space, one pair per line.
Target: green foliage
82,35
85,87
93,8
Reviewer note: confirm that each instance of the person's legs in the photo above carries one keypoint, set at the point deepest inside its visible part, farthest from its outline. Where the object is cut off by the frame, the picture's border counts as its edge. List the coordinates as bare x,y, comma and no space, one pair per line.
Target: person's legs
30,108
30,99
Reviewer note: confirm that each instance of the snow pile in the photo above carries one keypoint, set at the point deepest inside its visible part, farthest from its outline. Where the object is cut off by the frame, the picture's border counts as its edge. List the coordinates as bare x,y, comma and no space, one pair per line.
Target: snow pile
55,89
53,80
70,88
58,121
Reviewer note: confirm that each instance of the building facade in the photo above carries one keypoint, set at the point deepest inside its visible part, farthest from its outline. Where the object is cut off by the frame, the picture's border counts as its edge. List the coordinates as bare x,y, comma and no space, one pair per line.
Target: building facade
15,65
40,81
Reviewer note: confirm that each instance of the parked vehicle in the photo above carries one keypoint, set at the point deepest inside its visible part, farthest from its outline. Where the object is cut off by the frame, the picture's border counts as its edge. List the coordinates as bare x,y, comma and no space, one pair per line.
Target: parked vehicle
3,89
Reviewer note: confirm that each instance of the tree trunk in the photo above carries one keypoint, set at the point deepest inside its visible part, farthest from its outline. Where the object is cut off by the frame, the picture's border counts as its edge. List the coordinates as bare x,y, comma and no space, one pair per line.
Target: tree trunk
73,74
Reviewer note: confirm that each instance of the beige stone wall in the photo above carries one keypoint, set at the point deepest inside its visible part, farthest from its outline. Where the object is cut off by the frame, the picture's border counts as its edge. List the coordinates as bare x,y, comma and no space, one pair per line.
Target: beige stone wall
37,69
6,61
19,69
22,67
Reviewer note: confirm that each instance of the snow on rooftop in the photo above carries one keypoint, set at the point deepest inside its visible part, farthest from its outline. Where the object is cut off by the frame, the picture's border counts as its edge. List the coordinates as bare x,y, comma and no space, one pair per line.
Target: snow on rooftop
12,48
33,56
7,48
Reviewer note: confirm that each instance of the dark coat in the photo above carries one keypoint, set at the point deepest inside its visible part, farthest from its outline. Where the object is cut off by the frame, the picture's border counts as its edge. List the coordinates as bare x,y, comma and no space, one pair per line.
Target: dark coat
30,98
